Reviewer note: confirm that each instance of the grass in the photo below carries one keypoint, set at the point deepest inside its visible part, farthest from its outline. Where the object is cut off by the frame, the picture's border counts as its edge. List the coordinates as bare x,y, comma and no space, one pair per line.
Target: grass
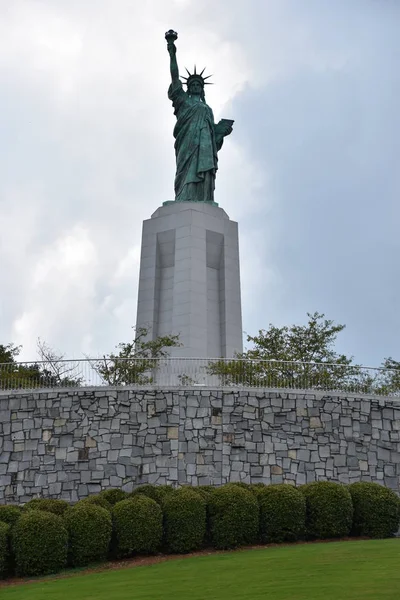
342,570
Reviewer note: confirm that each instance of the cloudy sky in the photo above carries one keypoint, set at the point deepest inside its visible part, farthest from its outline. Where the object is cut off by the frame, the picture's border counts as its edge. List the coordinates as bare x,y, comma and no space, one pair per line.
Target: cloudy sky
311,172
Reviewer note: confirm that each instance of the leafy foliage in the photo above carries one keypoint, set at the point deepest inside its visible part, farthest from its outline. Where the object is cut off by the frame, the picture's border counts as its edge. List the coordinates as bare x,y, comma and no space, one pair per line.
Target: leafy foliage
185,520
204,490
135,362
234,517
4,548
57,507
97,500
296,356
10,514
156,492
329,510
282,513
387,381
40,543
51,371
89,528
138,526
376,510
113,495
14,375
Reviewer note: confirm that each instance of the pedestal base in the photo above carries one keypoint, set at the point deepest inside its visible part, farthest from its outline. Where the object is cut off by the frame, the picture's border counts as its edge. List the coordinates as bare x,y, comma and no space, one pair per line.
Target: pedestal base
189,280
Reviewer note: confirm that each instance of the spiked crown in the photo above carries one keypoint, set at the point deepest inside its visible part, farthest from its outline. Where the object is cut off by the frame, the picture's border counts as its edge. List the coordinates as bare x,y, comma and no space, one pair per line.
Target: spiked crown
196,77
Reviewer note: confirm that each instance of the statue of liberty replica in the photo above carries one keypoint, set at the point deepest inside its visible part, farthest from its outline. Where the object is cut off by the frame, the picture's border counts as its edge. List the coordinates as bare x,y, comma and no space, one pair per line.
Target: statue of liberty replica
197,138
189,280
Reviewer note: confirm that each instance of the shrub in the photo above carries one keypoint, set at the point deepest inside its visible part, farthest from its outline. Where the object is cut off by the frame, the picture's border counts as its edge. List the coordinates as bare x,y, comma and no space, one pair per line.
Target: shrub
185,520
40,543
97,500
137,526
10,514
245,486
329,510
89,527
257,488
282,513
234,517
155,492
4,548
376,510
113,495
57,507
204,490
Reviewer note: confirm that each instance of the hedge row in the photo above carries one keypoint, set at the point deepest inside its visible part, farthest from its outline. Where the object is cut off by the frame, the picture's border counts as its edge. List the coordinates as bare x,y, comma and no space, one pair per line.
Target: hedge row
47,535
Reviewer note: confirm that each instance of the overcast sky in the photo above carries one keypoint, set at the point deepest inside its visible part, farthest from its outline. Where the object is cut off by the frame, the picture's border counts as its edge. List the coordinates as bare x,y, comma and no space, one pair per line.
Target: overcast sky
311,171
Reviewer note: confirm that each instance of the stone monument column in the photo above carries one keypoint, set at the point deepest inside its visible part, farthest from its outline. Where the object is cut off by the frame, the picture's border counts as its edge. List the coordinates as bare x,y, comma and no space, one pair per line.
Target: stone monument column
189,281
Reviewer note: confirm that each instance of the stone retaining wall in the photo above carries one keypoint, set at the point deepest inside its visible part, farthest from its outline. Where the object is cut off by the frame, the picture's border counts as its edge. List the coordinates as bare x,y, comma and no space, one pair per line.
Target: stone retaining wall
71,443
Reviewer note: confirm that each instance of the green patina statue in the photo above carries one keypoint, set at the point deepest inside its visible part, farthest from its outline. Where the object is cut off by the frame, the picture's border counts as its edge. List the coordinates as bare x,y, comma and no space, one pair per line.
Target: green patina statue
197,137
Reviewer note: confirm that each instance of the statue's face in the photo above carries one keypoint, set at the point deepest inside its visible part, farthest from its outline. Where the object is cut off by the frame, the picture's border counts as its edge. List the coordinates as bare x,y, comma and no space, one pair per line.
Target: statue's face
195,88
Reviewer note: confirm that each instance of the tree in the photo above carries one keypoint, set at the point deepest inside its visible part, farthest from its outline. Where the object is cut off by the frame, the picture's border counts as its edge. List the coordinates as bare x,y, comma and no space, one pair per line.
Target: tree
51,371
293,356
137,361
16,375
387,379
56,370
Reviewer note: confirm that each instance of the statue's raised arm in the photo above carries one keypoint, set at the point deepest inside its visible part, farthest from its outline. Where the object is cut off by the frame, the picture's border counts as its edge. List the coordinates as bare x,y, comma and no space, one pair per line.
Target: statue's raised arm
197,137
171,36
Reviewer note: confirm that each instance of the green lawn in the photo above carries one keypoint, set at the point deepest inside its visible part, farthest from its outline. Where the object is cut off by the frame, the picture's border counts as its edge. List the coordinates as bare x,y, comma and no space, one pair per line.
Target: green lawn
340,571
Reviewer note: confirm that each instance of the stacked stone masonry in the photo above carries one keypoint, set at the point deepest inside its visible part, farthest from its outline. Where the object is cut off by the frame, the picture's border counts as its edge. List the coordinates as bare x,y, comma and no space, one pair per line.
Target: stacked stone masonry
68,444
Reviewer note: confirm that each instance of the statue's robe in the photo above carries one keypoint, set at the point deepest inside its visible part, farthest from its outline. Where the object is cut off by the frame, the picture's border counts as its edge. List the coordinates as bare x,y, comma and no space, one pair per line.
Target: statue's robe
196,147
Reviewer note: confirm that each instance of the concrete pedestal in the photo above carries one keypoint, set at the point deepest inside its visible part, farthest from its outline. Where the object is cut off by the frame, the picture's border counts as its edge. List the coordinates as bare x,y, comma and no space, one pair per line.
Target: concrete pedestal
189,281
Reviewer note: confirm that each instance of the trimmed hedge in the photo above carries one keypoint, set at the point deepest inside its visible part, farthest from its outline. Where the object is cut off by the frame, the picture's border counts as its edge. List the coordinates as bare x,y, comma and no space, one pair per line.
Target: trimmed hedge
234,517
34,538
114,495
137,526
185,520
97,500
155,492
57,507
204,490
376,510
39,543
89,528
10,514
5,530
329,510
282,513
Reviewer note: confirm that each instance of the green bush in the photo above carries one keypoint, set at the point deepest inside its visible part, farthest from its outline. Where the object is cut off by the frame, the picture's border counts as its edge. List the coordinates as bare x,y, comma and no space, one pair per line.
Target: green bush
185,520
204,490
89,528
257,488
155,492
4,548
39,543
113,495
245,486
57,507
234,517
10,514
137,526
282,513
97,500
329,510
376,510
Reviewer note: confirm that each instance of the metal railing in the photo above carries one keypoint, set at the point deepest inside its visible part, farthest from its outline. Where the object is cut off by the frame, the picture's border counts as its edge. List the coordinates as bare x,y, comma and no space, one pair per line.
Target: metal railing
199,372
